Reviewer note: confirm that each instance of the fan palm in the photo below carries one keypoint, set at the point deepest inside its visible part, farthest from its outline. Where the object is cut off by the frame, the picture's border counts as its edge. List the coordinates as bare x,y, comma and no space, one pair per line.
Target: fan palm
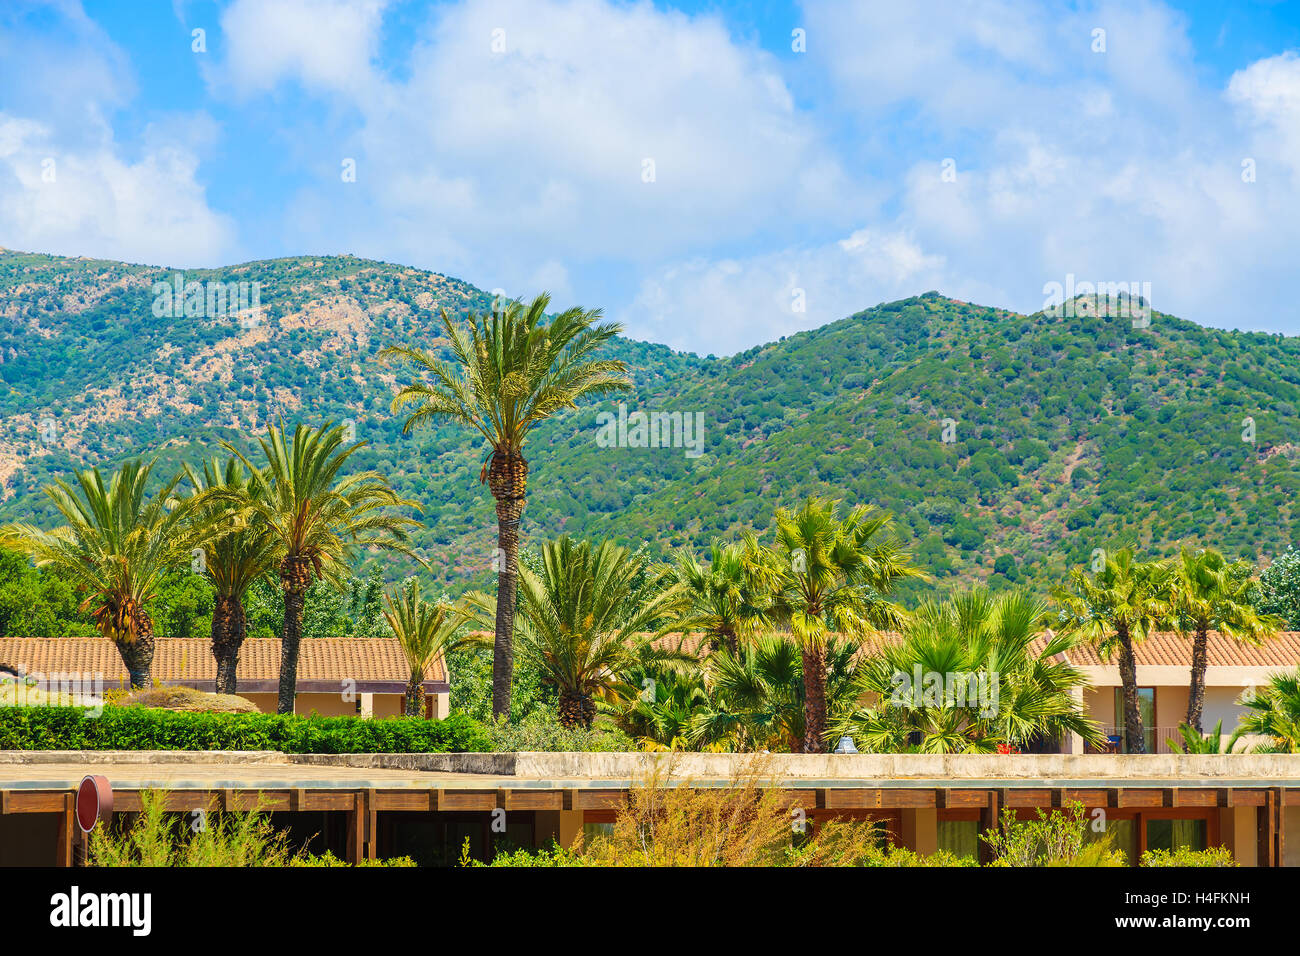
427,632
116,544
757,696
1116,609
1208,593
833,573
318,518
726,601
510,370
659,706
240,551
971,673
584,621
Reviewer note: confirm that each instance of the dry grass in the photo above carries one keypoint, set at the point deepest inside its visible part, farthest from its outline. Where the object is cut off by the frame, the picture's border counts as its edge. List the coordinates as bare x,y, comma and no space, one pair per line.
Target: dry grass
187,699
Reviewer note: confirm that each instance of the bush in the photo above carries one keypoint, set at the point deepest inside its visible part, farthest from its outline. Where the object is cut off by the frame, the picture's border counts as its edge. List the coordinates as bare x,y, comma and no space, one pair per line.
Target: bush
544,732
1214,856
1058,838
140,728
159,838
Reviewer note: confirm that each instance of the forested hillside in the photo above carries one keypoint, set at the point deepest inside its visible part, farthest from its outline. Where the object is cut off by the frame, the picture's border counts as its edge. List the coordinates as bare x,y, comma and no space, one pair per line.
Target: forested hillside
1065,433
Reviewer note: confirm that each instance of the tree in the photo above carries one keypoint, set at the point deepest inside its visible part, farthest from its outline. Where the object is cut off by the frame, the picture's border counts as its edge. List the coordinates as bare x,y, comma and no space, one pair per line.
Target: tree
426,632
116,544
511,370
1116,609
833,571
971,673
757,696
725,601
1207,593
1279,586
243,551
584,625
319,519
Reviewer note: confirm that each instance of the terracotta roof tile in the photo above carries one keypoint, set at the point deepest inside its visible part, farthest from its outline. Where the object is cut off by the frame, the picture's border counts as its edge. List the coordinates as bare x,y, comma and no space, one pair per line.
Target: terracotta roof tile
1168,649
323,662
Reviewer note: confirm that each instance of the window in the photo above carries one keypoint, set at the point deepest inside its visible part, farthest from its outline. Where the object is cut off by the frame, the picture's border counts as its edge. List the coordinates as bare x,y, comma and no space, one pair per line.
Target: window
1176,835
960,837
1147,707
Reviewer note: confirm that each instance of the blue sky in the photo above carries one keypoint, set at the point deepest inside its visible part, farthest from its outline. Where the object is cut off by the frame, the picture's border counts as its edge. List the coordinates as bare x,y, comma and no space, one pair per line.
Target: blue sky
984,148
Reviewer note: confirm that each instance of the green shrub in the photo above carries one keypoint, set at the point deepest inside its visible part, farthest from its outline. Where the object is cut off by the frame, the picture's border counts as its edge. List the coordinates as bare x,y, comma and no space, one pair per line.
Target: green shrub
1056,838
140,728
1214,856
544,732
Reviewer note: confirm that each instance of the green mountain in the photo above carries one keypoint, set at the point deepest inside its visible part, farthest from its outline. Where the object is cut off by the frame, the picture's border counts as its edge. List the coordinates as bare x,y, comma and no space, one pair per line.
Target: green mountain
1007,446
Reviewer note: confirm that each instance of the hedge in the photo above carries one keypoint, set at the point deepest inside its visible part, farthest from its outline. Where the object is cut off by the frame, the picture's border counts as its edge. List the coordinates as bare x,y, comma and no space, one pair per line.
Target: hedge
141,728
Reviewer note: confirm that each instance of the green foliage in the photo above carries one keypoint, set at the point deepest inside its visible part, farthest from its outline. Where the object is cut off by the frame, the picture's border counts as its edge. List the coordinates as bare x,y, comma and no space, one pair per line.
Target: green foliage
1055,838
1184,856
1279,587
209,838
140,728
39,602
544,732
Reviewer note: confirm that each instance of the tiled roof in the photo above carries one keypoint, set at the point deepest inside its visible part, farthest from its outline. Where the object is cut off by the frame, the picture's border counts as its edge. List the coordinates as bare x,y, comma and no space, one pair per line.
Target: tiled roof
1168,649
376,664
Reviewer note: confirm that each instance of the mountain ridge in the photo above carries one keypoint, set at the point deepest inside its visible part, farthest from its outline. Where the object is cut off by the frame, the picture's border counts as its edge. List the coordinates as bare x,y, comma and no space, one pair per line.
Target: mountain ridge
1008,446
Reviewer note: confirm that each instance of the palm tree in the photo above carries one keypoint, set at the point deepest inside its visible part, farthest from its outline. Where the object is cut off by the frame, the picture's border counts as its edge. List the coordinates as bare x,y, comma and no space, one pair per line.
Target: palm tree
1116,609
234,557
726,601
584,622
1207,593
511,370
318,519
427,632
116,545
1273,712
834,571
1194,742
659,705
987,672
757,696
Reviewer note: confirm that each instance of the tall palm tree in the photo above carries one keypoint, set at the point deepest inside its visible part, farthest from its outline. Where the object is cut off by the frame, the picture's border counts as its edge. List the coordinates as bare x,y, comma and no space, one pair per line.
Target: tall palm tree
989,675
584,622
833,572
1209,593
510,371
319,519
726,602
116,544
1117,608
426,632
240,551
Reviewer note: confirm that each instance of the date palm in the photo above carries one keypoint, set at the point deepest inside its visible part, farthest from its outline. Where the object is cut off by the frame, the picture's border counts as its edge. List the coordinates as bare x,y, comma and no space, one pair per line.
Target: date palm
1116,608
427,632
241,550
833,572
319,518
115,545
510,370
1209,593
584,622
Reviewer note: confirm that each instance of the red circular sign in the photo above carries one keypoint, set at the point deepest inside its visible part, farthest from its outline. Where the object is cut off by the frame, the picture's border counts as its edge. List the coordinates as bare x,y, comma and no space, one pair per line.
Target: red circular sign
94,801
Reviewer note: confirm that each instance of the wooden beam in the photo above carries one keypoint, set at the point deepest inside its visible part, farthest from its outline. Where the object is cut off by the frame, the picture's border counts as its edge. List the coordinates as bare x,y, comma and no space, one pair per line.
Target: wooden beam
372,825
409,800
67,831
534,800
599,799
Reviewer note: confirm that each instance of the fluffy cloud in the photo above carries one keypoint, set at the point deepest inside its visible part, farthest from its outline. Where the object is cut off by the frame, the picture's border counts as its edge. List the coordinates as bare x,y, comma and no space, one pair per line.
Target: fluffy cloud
66,185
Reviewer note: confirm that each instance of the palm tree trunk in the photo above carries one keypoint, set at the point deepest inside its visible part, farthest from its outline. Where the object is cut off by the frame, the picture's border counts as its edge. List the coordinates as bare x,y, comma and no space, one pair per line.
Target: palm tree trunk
1135,739
229,627
137,655
576,710
1196,694
295,577
814,699
413,695
508,480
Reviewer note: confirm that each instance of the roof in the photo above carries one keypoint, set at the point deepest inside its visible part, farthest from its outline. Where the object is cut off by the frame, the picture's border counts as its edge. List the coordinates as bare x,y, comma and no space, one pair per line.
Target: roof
1169,649
376,664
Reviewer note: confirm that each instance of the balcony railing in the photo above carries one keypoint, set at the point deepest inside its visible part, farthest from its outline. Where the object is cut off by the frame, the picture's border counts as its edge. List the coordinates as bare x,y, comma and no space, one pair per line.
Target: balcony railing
1157,740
